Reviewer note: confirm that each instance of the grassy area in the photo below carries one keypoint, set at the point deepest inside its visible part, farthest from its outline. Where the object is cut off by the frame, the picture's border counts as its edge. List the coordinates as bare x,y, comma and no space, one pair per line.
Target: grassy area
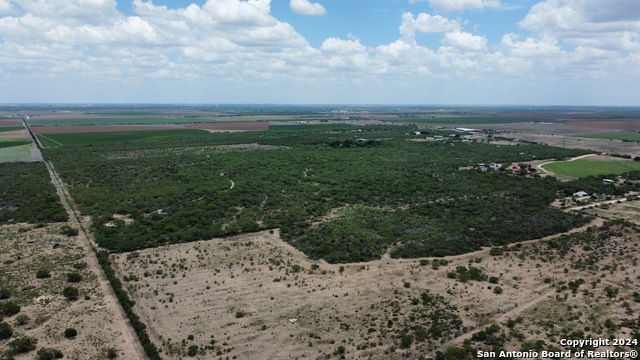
16,153
10,142
625,136
584,167
72,139
10,128
468,120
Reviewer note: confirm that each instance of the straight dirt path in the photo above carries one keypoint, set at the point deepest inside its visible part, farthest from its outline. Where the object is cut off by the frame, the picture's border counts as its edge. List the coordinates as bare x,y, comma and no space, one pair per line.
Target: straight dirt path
130,337
131,343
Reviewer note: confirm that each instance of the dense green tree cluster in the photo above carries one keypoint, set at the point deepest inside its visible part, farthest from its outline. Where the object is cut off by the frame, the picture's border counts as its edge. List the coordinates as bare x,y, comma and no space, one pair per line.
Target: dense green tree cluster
27,195
408,196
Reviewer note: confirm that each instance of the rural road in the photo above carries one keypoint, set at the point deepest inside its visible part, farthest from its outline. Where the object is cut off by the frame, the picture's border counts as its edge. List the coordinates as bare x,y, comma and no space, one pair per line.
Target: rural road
131,341
130,337
597,204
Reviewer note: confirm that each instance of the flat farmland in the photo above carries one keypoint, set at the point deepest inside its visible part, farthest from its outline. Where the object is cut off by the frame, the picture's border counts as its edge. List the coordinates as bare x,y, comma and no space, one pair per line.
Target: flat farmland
10,128
10,122
466,121
18,151
63,129
590,167
100,137
10,142
624,136
627,124
231,126
79,120
218,126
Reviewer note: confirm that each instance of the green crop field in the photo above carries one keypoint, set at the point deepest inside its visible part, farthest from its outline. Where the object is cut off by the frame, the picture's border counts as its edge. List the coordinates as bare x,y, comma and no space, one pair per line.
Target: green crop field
583,167
15,153
152,120
625,136
10,142
11,128
75,139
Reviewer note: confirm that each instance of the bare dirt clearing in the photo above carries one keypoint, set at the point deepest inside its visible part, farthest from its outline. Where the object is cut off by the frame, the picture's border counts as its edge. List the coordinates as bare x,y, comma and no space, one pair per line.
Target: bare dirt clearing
627,210
628,124
24,250
255,297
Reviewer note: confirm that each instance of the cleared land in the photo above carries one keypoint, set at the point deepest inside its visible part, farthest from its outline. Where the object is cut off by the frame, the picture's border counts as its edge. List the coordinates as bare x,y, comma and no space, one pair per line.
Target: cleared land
624,136
45,313
255,297
627,124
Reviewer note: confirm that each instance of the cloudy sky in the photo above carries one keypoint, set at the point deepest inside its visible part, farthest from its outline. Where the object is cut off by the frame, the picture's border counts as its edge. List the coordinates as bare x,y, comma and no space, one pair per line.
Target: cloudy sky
528,52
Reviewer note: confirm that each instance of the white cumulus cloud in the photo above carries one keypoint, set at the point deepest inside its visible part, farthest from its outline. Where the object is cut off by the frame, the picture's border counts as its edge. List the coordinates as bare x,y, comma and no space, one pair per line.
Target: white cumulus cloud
465,41
613,24
461,5
306,7
425,23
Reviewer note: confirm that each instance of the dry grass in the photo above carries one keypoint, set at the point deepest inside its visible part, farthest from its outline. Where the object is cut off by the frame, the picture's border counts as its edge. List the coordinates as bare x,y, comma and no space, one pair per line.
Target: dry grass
25,249
239,297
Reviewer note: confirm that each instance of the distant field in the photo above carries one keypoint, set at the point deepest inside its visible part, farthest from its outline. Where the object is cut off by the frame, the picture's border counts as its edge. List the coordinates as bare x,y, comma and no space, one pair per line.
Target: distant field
17,153
73,139
310,127
9,142
11,128
143,120
628,136
469,120
582,167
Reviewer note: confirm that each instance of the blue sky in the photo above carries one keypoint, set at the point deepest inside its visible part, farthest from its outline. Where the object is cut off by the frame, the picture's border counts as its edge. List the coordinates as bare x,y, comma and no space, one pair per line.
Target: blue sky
529,52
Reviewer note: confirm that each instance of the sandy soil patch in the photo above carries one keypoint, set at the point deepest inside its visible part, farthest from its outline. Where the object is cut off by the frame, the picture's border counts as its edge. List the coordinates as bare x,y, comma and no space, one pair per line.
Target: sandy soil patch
600,145
255,297
24,250
628,210
15,134
10,122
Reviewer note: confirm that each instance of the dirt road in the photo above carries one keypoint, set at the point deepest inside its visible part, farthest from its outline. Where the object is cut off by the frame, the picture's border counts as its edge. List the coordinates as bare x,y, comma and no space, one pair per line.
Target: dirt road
131,345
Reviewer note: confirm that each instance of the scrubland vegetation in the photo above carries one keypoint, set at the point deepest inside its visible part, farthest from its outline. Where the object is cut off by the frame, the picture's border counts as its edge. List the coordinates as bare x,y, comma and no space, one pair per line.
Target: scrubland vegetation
334,198
27,195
